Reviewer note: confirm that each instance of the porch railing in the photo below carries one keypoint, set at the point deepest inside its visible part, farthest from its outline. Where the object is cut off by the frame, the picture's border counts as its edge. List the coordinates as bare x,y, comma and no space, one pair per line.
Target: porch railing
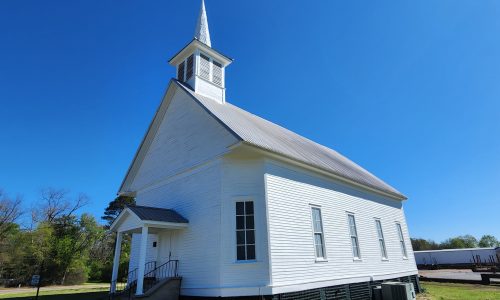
164,271
149,266
123,287
129,286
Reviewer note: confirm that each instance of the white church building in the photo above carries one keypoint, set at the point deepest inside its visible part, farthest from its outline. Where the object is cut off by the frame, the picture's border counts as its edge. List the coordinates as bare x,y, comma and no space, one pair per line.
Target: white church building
230,204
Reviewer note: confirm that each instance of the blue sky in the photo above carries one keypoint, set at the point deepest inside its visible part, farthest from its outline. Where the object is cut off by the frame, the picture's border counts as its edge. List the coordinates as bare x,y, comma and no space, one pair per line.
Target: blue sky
407,89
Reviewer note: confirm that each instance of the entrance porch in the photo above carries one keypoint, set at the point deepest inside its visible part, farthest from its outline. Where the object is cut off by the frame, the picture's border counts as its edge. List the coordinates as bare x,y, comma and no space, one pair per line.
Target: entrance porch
147,221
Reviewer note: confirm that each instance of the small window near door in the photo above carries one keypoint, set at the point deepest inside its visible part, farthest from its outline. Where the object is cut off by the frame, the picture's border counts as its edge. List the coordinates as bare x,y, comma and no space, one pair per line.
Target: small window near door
245,230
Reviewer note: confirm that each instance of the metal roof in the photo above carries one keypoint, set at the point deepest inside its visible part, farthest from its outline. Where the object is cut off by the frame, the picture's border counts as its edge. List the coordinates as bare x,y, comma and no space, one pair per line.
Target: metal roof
264,134
146,213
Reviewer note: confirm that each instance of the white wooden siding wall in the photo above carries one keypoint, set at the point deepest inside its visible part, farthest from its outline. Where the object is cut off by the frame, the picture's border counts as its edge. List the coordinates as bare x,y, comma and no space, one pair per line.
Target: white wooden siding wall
290,193
242,181
186,137
130,222
196,196
134,250
209,89
181,171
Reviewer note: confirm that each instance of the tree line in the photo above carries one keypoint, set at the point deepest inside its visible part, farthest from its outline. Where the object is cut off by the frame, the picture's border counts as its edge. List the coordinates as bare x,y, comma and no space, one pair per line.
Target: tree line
459,242
55,240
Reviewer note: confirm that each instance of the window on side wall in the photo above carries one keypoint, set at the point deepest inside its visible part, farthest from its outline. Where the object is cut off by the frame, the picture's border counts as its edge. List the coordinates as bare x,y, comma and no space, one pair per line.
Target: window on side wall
381,240
245,231
401,240
354,236
319,241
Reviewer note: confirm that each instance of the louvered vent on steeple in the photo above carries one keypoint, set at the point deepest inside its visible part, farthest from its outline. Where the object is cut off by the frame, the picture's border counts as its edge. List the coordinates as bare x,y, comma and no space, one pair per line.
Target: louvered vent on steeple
199,65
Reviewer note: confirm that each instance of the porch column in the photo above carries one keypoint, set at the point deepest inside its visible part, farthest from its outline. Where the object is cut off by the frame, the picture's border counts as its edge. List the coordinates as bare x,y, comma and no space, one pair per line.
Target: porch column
142,260
116,261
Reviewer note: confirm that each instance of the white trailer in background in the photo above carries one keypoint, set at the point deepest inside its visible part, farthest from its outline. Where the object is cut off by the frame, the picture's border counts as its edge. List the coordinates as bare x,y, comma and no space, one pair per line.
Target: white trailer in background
458,257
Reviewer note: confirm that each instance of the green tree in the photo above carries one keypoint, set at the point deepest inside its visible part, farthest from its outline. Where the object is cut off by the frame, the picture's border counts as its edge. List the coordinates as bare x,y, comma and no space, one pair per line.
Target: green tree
115,207
101,271
463,241
61,244
422,244
62,239
10,211
72,240
488,241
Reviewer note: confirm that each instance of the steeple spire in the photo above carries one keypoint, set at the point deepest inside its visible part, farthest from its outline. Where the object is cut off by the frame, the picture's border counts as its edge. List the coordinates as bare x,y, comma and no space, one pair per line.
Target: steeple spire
201,33
199,66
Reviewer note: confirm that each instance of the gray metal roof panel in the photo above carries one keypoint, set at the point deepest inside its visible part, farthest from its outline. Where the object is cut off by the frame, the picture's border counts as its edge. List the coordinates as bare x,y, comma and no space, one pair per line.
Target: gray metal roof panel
267,135
146,213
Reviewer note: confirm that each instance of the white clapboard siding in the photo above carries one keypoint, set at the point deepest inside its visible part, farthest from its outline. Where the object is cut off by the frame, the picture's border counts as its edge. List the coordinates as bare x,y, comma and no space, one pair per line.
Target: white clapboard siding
290,192
196,196
243,180
134,251
186,137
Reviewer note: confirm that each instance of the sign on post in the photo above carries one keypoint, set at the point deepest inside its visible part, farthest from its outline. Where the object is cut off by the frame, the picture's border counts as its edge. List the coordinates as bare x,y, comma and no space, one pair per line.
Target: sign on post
35,279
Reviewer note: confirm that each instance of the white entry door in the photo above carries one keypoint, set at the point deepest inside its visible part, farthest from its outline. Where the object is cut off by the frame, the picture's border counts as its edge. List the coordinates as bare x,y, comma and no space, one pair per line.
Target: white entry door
167,246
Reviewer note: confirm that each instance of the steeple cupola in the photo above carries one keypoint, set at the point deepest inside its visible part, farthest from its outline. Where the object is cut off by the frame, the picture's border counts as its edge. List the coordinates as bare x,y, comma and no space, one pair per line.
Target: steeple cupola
201,66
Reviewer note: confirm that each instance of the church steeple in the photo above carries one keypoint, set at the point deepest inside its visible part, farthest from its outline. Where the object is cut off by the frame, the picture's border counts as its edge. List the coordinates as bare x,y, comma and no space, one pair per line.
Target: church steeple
202,33
200,66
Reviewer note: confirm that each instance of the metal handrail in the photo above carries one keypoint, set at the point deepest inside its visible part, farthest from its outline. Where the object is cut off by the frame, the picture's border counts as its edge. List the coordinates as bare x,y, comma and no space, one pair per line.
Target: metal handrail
121,287
149,266
164,271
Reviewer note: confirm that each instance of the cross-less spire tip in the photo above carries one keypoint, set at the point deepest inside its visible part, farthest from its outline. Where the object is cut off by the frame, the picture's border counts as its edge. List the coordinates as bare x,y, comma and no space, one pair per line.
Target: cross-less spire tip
201,33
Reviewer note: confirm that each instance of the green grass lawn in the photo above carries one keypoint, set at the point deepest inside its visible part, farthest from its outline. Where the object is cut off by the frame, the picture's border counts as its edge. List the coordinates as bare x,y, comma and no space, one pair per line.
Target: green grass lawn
76,294
455,291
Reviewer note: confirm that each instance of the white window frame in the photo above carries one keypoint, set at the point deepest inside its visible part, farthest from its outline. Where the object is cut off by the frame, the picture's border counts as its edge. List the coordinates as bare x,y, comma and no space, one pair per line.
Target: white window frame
246,260
381,239
354,236
321,233
401,238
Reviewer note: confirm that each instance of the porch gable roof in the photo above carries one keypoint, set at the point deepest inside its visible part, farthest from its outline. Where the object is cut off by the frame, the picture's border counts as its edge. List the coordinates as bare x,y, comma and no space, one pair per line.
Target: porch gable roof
147,213
133,217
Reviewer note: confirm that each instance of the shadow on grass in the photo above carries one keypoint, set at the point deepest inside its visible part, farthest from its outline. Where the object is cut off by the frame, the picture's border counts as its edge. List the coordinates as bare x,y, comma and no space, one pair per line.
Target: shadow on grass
75,296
